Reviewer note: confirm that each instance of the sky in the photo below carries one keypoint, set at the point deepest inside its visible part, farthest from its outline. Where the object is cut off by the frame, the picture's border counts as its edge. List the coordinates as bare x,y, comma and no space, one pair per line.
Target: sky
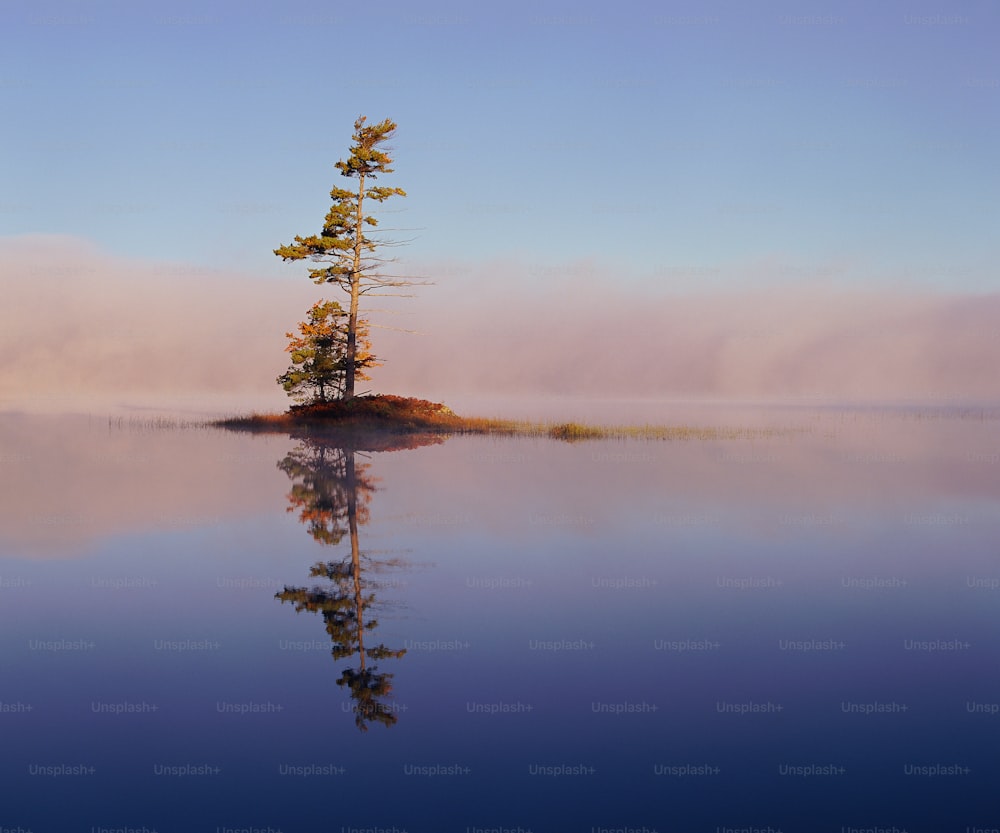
569,155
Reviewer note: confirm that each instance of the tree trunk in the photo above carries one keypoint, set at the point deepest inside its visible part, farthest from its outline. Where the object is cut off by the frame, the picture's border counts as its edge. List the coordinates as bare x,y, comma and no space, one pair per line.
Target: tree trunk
352,321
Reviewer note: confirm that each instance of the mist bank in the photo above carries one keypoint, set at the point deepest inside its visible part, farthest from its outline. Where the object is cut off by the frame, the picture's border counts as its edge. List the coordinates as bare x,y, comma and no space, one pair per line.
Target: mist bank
80,323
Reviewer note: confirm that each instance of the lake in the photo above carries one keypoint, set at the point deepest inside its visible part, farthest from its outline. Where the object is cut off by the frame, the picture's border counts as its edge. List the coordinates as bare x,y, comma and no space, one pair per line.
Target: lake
207,630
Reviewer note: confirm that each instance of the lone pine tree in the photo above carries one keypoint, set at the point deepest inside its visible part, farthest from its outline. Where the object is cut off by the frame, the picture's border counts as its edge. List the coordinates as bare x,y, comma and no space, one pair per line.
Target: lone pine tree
345,253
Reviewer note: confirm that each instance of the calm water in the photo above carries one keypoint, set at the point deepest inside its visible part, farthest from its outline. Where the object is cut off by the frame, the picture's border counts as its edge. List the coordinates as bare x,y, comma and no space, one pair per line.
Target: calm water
211,631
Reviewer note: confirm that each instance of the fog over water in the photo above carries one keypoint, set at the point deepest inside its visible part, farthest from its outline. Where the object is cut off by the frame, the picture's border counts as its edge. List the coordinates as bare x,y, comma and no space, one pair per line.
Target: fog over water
82,329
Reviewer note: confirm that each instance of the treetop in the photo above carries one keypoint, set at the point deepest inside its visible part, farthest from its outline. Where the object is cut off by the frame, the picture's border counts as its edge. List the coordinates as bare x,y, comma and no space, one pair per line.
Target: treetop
366,158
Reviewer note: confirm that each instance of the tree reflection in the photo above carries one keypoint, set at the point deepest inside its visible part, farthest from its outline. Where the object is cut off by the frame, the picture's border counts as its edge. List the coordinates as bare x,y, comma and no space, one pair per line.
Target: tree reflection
331,491
328,489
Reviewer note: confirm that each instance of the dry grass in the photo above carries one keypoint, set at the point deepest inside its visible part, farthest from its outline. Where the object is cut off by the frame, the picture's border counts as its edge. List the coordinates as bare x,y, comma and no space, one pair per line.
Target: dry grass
150,423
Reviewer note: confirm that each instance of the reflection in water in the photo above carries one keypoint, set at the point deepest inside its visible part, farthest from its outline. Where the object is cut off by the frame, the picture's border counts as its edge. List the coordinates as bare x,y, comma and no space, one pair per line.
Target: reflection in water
733,571
331,492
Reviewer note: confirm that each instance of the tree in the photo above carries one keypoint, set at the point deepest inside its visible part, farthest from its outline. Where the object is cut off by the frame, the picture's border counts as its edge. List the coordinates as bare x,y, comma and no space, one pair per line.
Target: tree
346,253
319,355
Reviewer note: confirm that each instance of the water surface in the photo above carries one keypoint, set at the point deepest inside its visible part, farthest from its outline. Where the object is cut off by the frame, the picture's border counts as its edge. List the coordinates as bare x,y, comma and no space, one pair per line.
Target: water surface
205,630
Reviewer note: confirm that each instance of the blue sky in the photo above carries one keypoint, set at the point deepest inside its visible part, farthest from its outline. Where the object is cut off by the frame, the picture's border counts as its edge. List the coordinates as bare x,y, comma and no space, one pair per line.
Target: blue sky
674,143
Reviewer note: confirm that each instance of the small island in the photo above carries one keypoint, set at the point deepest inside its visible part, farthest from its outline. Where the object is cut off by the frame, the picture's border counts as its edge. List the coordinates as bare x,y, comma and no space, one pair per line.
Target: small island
332,350
400,415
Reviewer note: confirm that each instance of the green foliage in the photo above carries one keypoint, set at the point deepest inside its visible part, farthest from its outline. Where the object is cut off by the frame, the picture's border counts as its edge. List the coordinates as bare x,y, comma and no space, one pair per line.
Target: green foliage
319,355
